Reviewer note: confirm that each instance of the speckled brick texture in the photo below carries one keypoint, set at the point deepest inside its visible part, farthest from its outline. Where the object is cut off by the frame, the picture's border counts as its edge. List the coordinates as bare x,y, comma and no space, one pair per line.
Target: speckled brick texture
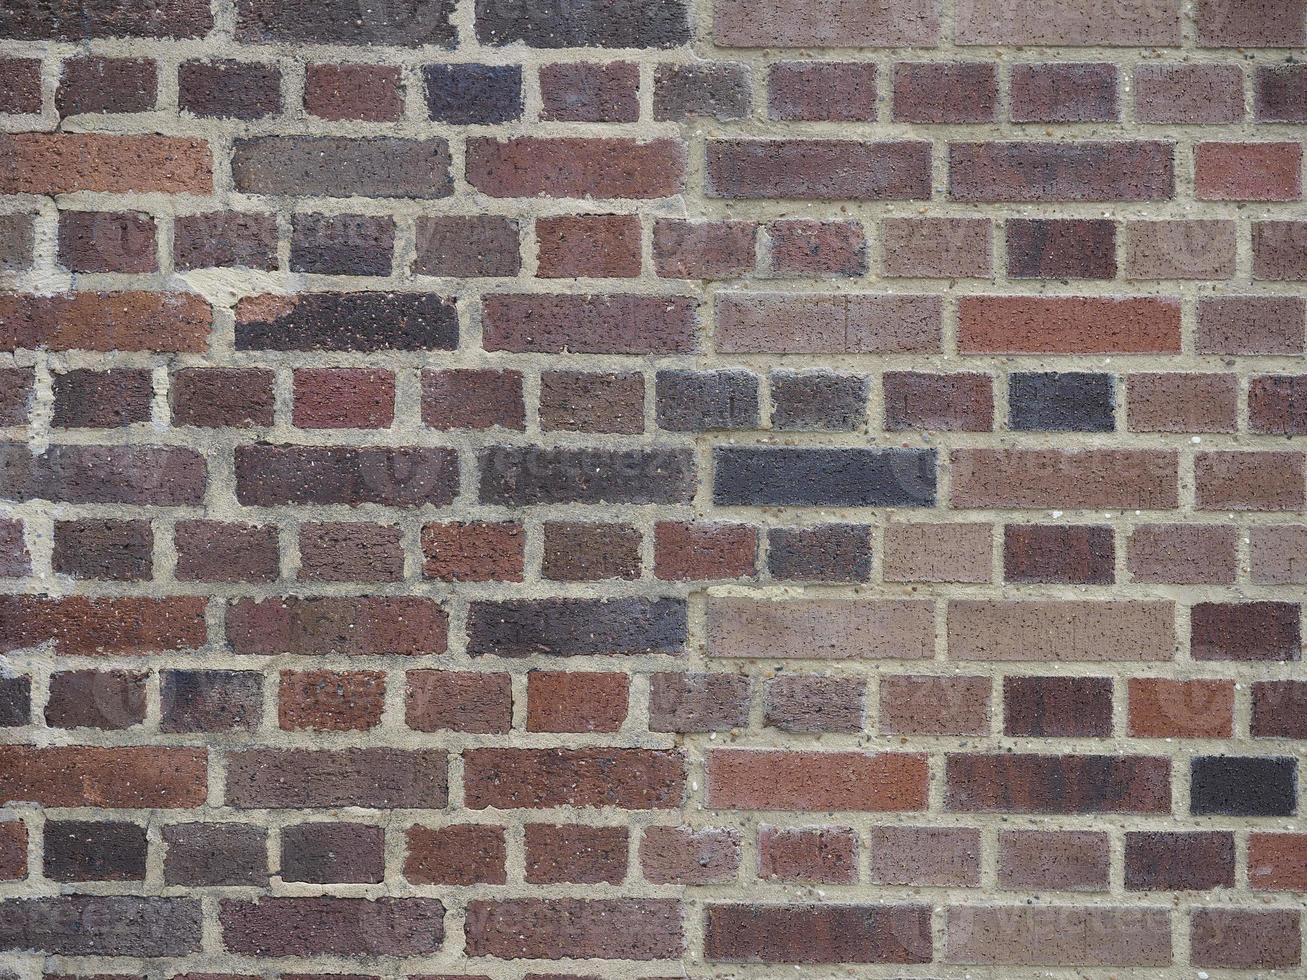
632,489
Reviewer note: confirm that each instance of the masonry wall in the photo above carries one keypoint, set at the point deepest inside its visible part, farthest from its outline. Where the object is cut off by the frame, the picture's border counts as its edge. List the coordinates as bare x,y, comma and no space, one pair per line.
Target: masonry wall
641,488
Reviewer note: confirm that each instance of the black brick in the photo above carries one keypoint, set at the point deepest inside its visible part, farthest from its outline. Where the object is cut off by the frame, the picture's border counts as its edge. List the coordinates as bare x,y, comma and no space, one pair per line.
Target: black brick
520,476
63,20
818,400
1243,787
583,23
576,627
1062,402
342,244
466,94
824,477
697,401
338,166
821,553
210,700
400,22
102,925
362,322
83,850
328,853
215,854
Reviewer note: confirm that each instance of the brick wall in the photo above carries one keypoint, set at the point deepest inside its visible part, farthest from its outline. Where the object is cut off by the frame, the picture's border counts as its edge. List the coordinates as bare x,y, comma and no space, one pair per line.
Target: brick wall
617,489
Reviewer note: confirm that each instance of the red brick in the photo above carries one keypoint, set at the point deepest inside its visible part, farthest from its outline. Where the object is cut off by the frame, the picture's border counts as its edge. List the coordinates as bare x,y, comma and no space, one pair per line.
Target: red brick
474,552
213,551
1248,171
576,928
1245,939
690,856
827,323
461,701
812,249
573,167
363,626
1039,248
462,854
825,933
131,321
699,552
1189,94
1252,481
1057,707
632,779
125,777
327,925
1070,630
1048,172
1182,402
1250,325
703,249
1063,935
368,92
824,23
1179,554
1054,860
1277,862
818,169
1134,479
576,552
611,324
350,552
344,398
822,91
84,627
13,850
1277,554
698,702
472,398
582,92
799,854
1140,23
331,701
468,247
1068,325
810,629
927,856
941,402
594,245
925,705
62,163
1280,93
945,92
1266,24
779,780
581,401
560,701
575,854
20,85
1055,93
1280,250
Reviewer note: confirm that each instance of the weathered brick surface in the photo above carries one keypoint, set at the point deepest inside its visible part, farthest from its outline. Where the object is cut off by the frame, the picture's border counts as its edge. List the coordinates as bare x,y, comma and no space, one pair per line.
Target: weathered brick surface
580,489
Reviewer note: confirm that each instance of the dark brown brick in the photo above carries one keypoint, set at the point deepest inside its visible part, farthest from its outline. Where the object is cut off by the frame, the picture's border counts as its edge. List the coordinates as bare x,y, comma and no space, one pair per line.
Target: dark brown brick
697,702
20,85
225,238
822,91
945,92
1055,93
631,626
589,245
332,926
1070,249
575,854
466,247
566,701
215,854
461,701
114,550
85,398
1162,861
1057,707
330,853
818,400
301,778
576,928
213,551
807,703
83,850
1246,631
350,552
342,244
818,933
370,93
463,854
820,553
228,89
210,700
359,625
1027,783
576,552
109,700
586,402
1076,555
472,398
270,475
632,779
584,92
